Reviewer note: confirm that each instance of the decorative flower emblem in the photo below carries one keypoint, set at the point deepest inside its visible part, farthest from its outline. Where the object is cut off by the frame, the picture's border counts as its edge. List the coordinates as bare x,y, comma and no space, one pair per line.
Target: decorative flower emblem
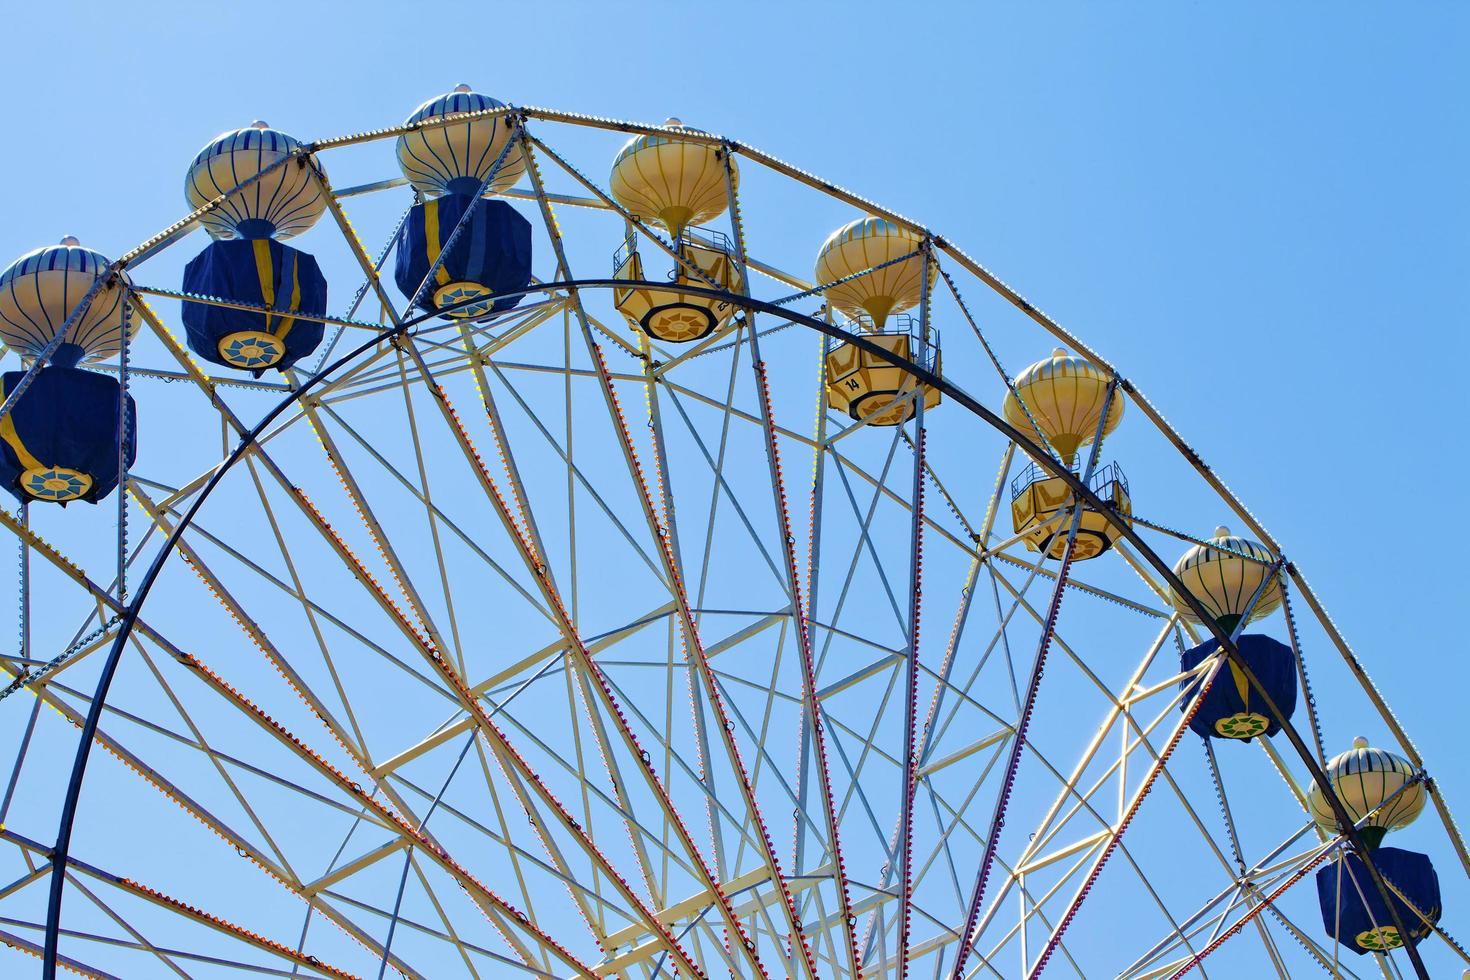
1381,939
252,350
55,483
1247,724
459,292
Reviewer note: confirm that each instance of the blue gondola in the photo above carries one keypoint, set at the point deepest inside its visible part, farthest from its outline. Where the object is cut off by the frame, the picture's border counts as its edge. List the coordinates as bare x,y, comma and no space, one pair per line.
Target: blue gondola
262,189
1355,914
1232,708
260,272
59,443
491,256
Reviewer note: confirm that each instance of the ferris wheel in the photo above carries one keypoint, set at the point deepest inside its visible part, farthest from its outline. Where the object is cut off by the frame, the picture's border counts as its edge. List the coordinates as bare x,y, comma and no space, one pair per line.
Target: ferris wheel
548,602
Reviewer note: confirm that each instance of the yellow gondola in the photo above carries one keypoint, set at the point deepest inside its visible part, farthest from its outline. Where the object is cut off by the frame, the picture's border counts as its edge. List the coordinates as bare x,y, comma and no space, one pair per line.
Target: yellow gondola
1041,509
865,386
862,245
679,182
1063,396
672,313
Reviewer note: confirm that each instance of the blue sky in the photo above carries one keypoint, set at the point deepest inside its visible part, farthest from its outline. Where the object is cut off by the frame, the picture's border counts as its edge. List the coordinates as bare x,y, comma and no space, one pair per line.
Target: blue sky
1259,215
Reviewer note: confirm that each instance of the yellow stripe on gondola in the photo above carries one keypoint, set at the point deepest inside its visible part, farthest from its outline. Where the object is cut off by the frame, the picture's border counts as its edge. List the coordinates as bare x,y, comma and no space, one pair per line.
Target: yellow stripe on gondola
267,274
1242,684
12,439
288,322
431,240
265,270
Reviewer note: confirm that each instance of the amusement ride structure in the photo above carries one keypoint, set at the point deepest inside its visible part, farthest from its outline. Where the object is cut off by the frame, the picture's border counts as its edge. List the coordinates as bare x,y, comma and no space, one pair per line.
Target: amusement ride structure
548,603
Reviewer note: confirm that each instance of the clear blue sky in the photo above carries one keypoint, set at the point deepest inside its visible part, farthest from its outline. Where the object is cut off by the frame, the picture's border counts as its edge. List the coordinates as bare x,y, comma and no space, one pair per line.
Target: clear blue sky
1259,214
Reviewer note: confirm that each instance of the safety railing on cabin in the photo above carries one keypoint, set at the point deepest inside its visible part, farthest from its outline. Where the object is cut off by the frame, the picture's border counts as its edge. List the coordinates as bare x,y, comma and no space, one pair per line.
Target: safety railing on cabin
625,252
698,237
1101,484
706,238
898,325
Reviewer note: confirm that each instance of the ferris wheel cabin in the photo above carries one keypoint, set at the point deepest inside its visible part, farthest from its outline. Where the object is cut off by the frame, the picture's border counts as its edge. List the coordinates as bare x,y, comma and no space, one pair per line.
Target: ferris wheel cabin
866,386
72,431
674,314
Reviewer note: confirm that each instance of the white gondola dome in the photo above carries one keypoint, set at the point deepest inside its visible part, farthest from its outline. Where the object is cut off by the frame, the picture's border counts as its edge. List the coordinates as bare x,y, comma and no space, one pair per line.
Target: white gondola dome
1223,574
40,290
283,203
1364,779
457,157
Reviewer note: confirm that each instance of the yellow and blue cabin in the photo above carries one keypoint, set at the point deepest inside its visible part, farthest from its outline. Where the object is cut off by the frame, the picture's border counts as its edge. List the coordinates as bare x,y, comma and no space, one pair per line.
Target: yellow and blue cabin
265,190
865,386
1355,914
258,272
672,313
1231,708
485,270
60,441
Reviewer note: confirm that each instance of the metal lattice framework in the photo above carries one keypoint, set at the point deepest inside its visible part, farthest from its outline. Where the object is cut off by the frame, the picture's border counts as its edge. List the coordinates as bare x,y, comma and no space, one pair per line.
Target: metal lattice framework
525,645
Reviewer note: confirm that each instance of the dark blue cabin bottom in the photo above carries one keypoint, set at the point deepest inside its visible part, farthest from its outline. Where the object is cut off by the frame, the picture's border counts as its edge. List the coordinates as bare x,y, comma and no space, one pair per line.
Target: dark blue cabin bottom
60,441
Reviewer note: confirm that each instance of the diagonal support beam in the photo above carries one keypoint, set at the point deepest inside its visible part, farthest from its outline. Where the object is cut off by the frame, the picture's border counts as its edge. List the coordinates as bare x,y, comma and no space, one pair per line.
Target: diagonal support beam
673,572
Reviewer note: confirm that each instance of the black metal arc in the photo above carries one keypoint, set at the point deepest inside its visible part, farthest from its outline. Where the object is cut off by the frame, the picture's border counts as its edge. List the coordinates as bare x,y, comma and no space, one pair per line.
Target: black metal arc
61,852
923,374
